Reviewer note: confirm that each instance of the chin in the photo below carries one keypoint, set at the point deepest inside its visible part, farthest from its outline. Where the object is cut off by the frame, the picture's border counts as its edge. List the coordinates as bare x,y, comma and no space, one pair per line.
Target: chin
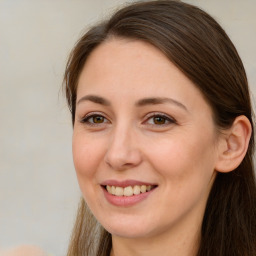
128,233
129,229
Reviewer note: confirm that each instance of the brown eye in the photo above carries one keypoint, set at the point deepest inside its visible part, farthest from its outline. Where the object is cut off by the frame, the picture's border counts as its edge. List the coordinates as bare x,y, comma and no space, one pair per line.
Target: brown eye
98,119
159,120
94,119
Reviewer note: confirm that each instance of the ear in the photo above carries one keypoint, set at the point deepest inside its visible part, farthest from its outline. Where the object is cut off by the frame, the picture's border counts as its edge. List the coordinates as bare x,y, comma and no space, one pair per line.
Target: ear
233,145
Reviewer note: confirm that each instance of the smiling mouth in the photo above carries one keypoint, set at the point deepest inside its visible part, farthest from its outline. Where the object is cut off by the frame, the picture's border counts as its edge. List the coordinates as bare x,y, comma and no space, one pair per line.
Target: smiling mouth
129,190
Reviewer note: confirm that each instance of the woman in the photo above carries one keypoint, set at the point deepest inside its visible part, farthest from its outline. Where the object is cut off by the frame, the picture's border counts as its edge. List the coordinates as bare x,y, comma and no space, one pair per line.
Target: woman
163,136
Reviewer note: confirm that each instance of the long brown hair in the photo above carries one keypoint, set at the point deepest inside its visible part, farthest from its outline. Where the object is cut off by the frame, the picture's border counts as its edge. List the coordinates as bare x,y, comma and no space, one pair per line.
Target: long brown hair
200,48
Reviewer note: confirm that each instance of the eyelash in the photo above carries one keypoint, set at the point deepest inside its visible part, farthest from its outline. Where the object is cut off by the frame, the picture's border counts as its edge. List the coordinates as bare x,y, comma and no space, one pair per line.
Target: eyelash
86,119
167,120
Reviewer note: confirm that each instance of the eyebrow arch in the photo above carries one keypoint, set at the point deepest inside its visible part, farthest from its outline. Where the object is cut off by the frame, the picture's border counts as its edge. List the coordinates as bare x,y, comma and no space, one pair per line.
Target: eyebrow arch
156,101
95,99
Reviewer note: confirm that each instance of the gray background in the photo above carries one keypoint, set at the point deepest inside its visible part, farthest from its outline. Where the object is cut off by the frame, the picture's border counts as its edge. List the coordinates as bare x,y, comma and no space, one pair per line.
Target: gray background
38,188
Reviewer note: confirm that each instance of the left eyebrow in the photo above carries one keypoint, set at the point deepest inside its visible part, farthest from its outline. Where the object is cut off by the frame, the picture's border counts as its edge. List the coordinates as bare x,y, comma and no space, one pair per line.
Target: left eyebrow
156,101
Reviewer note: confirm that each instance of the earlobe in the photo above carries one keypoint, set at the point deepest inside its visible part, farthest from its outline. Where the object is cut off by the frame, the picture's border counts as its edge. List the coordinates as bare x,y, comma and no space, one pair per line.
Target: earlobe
234,145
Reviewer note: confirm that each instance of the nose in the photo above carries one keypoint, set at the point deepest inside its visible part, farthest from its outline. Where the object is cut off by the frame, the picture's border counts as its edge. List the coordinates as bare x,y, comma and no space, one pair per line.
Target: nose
123,151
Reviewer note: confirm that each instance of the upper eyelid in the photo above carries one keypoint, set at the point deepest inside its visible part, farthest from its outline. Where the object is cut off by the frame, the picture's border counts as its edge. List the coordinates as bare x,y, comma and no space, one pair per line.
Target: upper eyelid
153,114
95,113
92,114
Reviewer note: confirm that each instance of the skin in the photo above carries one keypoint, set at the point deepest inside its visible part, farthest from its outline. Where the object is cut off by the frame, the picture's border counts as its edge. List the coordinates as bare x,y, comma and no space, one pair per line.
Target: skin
24,250
178,152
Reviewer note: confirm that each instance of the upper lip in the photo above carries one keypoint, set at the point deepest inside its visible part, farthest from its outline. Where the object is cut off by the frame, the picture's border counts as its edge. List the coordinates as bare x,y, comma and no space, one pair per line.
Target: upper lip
126,183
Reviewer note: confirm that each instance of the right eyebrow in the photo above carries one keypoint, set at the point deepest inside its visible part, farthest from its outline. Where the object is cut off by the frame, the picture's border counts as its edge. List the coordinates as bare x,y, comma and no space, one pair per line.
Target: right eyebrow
95,99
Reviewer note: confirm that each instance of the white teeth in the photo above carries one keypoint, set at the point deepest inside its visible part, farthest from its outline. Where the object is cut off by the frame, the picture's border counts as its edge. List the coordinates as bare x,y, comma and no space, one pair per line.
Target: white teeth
119,191
128,191
143,188
149,188
136,190
109,189
113,190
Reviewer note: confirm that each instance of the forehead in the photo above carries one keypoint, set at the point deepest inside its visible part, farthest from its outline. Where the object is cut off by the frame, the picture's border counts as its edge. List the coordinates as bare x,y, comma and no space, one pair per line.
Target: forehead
123,57
119,66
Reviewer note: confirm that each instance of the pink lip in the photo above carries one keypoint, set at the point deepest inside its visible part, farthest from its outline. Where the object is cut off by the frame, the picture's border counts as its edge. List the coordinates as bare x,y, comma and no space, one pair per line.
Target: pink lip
125,201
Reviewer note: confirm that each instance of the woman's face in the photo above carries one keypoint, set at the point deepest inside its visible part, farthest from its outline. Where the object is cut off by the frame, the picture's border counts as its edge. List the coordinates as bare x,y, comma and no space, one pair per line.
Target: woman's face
144,132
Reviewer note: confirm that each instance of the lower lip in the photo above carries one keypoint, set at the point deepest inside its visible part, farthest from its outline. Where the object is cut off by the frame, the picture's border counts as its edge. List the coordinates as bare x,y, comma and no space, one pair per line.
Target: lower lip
126,200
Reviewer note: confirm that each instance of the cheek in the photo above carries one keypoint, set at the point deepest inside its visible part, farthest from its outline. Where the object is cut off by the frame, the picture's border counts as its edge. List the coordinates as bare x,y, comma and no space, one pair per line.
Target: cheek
184,157
186,173
87,155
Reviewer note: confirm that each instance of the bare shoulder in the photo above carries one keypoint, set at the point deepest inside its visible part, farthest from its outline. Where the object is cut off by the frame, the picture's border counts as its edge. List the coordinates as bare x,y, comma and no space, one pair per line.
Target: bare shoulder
23,250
